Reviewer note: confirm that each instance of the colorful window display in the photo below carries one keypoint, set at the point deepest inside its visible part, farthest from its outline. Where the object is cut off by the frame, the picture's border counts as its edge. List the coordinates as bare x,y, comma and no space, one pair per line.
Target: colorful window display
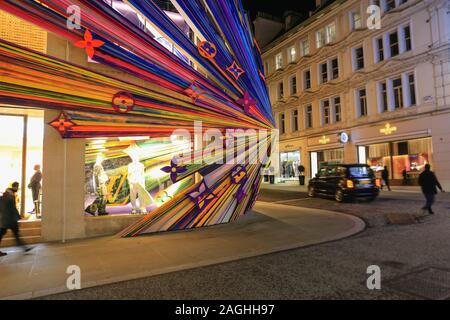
128,176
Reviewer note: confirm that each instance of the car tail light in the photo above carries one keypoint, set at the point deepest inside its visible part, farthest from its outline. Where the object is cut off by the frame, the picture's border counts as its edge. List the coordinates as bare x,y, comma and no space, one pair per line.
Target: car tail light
350,184
378,183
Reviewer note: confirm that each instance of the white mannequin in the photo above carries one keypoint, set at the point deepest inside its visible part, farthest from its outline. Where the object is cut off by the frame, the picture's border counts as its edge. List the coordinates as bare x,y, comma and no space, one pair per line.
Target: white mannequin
136,181
101,175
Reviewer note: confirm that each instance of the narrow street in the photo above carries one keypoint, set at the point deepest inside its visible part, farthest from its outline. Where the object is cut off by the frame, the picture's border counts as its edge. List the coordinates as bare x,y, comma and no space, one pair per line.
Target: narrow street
414,261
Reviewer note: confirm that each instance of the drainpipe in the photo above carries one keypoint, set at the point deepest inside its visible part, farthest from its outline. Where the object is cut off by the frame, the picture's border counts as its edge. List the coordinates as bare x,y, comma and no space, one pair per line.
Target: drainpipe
64,172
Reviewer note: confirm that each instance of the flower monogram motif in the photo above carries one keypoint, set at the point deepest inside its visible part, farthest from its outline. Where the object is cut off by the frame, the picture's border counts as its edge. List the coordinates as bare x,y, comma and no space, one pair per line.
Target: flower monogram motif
247,102
202,196
89,44
207,50
235,70
123,102
174,169
194,92
62,123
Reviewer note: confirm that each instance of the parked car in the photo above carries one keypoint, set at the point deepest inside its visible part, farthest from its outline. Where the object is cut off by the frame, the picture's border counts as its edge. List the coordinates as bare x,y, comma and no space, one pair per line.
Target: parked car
345,182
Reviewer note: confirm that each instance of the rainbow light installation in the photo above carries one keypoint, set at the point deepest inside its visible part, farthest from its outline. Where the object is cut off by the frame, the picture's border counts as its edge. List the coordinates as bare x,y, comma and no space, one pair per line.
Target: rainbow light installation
226,90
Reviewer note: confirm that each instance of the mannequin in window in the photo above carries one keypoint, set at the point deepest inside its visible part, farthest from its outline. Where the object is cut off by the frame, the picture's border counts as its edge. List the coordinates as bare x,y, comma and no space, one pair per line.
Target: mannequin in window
136,182
100,185
35,186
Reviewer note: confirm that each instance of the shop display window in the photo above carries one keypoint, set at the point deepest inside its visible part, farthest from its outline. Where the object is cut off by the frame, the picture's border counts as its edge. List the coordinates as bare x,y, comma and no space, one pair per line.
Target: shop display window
408,157
126,176
289,162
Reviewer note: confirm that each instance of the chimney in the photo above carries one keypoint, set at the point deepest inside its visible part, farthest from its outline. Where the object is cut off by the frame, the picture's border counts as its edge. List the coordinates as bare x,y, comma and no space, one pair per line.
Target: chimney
267,27
291,19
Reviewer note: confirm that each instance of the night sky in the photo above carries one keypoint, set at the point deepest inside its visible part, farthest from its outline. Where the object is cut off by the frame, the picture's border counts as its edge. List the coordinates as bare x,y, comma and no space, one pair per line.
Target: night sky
277,7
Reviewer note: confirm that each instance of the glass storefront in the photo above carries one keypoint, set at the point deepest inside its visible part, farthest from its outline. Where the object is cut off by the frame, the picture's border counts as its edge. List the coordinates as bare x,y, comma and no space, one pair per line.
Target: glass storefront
124,176
21,147
408,156
323,158
289,162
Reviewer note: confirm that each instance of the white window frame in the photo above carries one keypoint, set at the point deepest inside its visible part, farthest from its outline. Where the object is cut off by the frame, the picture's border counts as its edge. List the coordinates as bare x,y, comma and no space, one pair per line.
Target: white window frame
381,105
320,38
282,123
410,104
330,68
353,21
401,97
358,103
354,58
304,79
292,58
330,37
294,120
306,107
376,48
279,61
305,50
291,92
280,95
320,72
322,112
334,113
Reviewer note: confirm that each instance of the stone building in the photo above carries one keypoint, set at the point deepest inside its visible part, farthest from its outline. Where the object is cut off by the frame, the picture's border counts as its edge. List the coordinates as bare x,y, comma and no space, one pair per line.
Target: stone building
345,91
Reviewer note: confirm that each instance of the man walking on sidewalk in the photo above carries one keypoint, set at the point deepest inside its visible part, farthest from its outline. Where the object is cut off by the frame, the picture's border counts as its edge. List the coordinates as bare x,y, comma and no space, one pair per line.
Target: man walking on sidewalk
429,183
9,216
385,177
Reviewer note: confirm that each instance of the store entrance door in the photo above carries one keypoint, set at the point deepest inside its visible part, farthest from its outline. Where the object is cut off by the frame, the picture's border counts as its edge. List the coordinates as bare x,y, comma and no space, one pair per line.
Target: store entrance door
21,146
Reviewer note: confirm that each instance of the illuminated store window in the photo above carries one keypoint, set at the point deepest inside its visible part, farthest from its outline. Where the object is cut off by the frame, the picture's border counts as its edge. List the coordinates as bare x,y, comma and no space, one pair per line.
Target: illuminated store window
124,175
21,147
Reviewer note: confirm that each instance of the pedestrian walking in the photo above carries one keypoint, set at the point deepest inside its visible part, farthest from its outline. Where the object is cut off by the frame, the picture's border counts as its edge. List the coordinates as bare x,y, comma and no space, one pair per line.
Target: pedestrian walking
385,177
429,183
405,177
9,216
301,174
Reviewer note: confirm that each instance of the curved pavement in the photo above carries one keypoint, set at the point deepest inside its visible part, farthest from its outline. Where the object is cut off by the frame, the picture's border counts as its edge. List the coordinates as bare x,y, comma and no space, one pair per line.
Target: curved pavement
271,227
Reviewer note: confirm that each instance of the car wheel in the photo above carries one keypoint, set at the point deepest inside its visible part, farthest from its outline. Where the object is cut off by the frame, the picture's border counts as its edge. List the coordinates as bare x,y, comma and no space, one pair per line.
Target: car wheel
311,192
339,196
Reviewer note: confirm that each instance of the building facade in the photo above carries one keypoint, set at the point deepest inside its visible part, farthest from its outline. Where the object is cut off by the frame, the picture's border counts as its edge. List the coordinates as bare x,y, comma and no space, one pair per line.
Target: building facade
344,90
121,112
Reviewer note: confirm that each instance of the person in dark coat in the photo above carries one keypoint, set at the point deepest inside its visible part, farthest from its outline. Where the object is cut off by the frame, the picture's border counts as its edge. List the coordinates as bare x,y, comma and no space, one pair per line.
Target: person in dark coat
385,177
429,183
301,174
405,177
9,216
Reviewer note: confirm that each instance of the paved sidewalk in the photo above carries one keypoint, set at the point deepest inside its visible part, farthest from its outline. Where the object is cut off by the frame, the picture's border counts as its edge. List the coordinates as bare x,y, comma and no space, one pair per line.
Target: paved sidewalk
270,228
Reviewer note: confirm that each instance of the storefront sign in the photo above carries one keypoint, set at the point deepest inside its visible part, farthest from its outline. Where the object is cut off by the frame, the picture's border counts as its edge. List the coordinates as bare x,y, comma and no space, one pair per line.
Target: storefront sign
344,137
387,130
324,140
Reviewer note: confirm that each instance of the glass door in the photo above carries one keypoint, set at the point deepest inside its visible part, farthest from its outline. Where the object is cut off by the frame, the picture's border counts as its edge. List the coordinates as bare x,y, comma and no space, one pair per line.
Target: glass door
11,151
21,149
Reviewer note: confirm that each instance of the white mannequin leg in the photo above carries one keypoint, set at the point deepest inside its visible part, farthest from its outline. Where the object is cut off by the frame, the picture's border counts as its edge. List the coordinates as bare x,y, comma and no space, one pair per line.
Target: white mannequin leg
133,199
